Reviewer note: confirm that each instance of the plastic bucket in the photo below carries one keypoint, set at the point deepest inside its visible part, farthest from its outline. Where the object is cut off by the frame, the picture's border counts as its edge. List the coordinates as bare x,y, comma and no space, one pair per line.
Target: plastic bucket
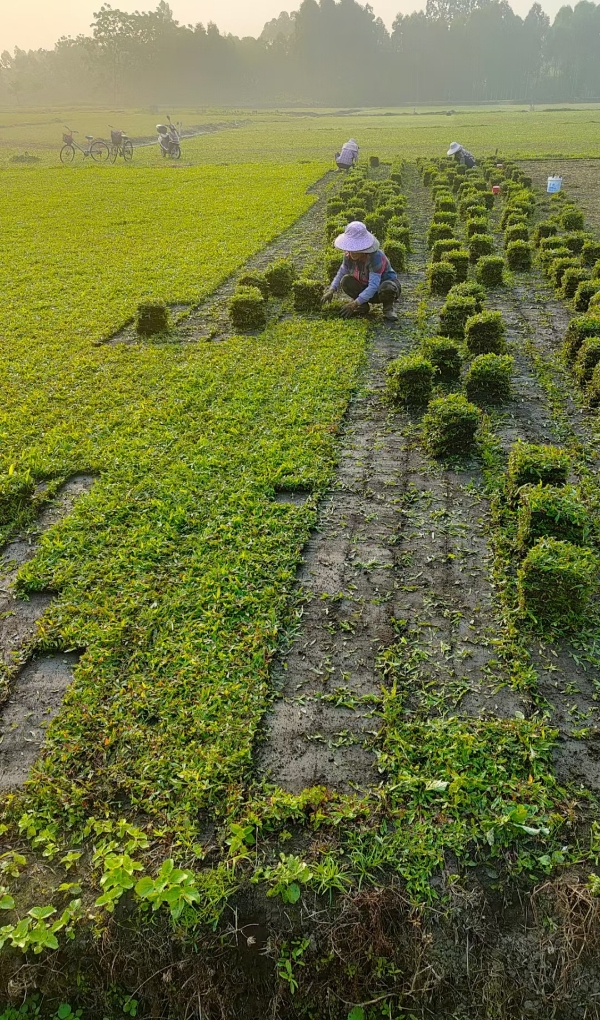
554,185
496,189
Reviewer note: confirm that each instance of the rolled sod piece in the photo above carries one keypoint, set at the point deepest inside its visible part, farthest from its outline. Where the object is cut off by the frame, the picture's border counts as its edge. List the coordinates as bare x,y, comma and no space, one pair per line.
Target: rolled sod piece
555,583
480,245
584,294
572,219
575,241
454,316
441,277
571,280
450,426
519,232
518,256
438,232
397,254
485,334
152,318
441,248
410,380
590,253
469,288
444,355
587,358
489,378
248,309
490,270
531,464
477,226
280,276
547,511
558,268
308,296
544,229
258,280
459,258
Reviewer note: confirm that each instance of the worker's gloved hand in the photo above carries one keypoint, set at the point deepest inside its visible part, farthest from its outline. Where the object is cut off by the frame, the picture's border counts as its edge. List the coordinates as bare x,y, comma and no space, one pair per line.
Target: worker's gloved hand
349,309
328,295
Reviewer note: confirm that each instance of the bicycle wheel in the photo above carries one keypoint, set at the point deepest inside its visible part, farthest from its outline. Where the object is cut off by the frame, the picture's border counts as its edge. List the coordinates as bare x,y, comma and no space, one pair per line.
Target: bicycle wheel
113,152
99,151
67,154
127,151
176,152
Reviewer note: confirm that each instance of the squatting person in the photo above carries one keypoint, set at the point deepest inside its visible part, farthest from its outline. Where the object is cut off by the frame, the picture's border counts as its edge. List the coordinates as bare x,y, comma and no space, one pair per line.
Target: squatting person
365,274
461,155
348,156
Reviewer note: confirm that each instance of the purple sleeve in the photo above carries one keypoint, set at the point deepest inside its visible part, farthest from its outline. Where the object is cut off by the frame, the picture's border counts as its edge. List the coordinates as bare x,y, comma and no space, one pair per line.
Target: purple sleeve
376,266
335,283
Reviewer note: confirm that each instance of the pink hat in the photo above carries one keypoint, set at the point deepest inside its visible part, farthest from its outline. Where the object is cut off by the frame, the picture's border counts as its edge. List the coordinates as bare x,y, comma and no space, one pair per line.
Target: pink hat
357,238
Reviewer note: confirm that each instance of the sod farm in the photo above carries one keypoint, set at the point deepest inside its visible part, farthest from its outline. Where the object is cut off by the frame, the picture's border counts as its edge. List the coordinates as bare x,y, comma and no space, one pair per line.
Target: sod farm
299,629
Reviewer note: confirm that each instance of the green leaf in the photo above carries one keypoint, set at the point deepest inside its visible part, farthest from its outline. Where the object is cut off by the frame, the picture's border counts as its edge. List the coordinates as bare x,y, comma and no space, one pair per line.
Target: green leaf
64,1011
356,1013
40,913
6,902
145,887
292,893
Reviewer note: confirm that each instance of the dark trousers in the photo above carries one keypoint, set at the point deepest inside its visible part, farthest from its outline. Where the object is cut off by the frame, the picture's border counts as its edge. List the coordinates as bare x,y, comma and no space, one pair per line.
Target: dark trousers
386,295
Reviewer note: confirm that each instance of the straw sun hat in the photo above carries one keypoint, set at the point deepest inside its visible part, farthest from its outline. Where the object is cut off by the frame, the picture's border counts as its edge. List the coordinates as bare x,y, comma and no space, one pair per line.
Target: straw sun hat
357,238
453,149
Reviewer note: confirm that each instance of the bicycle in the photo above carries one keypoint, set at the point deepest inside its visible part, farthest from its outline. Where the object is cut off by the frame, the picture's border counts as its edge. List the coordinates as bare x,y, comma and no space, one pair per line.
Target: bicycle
97,149
120,145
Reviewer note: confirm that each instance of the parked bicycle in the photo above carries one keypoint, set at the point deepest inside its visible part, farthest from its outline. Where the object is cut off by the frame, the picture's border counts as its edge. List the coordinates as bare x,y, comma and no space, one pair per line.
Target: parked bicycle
97,148
120,145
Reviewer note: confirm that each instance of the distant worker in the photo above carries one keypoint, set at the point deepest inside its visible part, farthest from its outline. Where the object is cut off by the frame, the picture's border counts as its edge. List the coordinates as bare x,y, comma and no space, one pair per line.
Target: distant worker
348,156
461,155
365,274
163,139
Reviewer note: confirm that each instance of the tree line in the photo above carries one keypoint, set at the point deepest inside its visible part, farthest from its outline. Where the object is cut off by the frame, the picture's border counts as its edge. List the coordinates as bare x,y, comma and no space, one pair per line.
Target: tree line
328,53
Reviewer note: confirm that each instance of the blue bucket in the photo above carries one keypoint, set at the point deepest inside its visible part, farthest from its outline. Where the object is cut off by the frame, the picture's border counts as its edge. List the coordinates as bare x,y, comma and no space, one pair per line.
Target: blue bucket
554,185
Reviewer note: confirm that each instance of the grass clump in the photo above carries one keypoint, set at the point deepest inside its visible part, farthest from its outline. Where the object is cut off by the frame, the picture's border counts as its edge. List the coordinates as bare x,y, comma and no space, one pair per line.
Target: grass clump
572,219
571,280
460,260
410,380
439,232
450,426
518,232
442,276
454,316
308,296
490,270
544,229
469,289
152,318
489,378
477,226
547,511
444,355
441,248
580,329
518,256
248,309
485,333
587,358
280,276
480,245
584,294
531,464
397,254
558,268
555,583
590,253
258,280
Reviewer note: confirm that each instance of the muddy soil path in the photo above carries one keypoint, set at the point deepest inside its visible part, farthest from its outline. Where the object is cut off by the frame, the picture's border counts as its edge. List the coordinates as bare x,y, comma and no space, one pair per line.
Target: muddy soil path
300,242
400,549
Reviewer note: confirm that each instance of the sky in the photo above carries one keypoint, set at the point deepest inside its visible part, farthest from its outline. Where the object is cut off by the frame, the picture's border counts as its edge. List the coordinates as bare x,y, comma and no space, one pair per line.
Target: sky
31,24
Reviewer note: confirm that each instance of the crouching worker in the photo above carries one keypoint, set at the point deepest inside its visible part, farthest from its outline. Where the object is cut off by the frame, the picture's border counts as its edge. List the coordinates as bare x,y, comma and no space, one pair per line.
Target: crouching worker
461,155
348,156
163,139
365,274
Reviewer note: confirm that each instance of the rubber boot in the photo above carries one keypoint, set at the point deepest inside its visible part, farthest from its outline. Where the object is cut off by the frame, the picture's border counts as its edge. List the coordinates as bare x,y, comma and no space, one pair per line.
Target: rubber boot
389,313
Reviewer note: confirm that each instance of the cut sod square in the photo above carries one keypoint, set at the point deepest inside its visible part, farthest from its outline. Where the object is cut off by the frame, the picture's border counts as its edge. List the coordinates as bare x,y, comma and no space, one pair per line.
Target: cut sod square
454,316
517,232
575,241
258,280
580,329
308,295
441,248
558,268
544,229
489,378
152,318
444,355
439,232
332,264
469,288
480,245
548,511
490,270
555,583
409,380
460,260
590,253
441,276
593,390
584,294
450,426
530,464
571,280
485,333
280,277
588,356
572,219
477,225
518,256
248,309
397,254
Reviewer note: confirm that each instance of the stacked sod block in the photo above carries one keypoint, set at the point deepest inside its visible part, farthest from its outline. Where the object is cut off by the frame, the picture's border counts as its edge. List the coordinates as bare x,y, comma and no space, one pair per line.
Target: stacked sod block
485,334
450,426
409,380
444,355
488,380
549,511
555,583
248,309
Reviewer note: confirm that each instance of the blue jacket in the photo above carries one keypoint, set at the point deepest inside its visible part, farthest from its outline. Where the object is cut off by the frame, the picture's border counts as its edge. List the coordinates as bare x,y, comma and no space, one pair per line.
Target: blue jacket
371,270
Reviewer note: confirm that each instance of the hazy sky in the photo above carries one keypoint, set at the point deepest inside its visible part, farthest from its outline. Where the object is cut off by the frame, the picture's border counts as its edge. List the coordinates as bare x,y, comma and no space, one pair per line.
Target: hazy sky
35,23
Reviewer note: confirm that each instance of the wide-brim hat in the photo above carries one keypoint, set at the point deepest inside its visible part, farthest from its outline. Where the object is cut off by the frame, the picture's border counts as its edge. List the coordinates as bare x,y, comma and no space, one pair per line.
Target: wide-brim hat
357,238
454,148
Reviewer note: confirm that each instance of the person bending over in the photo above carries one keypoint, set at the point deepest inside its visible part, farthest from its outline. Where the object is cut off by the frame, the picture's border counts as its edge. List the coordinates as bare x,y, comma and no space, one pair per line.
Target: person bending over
461,155
365,274
348,156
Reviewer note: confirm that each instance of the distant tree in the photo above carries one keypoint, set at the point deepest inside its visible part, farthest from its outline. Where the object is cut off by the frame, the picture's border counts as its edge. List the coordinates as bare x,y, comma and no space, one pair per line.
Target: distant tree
283,27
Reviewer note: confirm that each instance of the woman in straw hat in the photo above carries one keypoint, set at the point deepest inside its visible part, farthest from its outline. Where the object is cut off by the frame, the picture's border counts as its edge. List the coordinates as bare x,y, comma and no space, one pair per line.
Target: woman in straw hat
348,156
461,155
365,274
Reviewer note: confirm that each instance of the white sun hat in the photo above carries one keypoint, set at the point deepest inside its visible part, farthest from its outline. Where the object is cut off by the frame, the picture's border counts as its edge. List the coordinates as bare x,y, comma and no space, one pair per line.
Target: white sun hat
453,149
357,238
